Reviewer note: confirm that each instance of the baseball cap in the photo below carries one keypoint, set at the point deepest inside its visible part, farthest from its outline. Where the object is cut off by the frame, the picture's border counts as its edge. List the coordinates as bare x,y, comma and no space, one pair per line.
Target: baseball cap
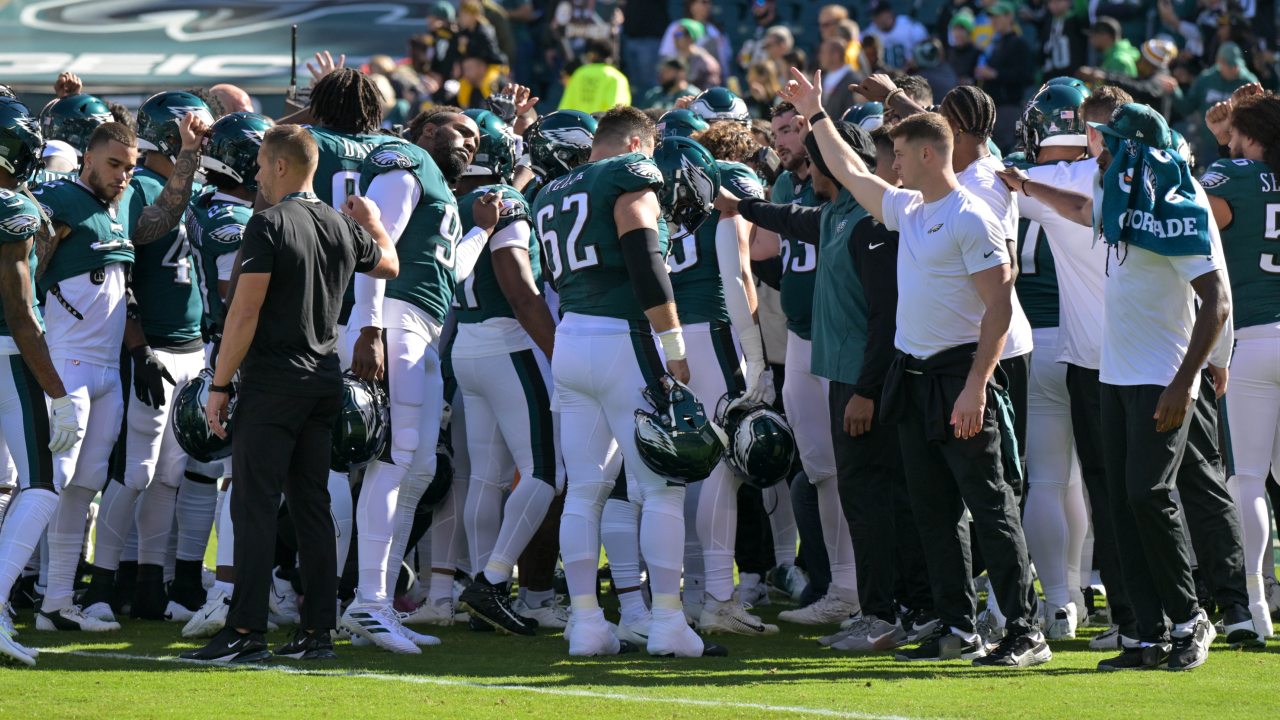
964,19
441,9
1230,53
58,148
854,136
1108,25
695,29
1004,7
1159,51
1137,122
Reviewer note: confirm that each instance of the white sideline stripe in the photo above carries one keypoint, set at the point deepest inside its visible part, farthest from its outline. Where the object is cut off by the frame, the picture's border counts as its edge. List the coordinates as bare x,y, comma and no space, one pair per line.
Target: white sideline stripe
427,680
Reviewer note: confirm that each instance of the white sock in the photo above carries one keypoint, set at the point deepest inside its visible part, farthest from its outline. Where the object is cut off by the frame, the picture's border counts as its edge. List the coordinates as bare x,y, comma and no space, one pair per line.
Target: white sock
835,532
522,516
343,513
782,520
225,587
536,598
994,606
633,607
375,516
748,579
23,527
662,536
66,538
115,521
197,507
718,530
620,535
412,486
155,522
482,519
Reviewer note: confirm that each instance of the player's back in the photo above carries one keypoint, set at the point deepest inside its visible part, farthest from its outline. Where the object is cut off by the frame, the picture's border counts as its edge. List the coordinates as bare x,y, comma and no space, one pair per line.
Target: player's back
162,277
1249,242
479,297
338,168
215,227
19,220
1037,281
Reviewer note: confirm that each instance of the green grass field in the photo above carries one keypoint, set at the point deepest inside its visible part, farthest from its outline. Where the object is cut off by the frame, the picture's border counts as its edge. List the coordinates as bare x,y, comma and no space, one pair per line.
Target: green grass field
135,673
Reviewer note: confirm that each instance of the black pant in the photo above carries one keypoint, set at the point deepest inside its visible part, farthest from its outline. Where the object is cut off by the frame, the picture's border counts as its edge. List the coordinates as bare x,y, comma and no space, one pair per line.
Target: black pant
813,549
753,547
944,477
1211,513
283,443
877,506
1142,467
1085,391
1017,371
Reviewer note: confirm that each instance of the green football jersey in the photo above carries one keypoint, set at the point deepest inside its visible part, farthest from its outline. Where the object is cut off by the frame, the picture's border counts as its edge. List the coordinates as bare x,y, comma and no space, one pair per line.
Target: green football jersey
19,220
99,232
799,259
694,263
163,277
573,218
479,297
1037,281
1251,243
215,226
44,176
426,247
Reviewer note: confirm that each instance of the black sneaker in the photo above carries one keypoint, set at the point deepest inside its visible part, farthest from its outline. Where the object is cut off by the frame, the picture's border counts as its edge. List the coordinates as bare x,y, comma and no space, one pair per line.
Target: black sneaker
305,645
1190,650
24,594
477,625
942,644
1150,657
919,624
492,604
1023,651
149,599
1237,624
231,646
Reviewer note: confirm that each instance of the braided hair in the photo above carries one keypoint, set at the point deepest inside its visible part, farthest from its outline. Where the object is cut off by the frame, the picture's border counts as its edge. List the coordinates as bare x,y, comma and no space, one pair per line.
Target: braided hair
970,110
348,101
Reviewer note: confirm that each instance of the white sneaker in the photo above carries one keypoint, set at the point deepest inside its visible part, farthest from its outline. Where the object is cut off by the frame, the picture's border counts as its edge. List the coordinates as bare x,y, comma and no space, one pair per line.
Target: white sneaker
730,617
1108,639
377,622
1082,612
282,604
177,612
987,629
551,614
1060,622
8,633
11,651
637,632
428,613
752,590
71,618
101,611
211,617
838,605
589,635
670,637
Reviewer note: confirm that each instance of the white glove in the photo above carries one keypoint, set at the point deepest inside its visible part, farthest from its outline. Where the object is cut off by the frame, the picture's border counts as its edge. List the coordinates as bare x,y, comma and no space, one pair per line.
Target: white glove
65,430
753,350
770,393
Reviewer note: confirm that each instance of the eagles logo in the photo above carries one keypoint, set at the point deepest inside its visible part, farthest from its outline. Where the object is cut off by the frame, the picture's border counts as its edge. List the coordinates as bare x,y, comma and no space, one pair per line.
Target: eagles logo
649,171
180,111
934,229
29,124
227,233
20,225
702,184
255,135
749,186
1212,180
391,159
573,136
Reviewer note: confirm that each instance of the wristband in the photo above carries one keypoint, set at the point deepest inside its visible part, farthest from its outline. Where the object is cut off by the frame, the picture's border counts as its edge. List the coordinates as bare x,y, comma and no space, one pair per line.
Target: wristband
220,388
1024,187
817,118
888,98
672,343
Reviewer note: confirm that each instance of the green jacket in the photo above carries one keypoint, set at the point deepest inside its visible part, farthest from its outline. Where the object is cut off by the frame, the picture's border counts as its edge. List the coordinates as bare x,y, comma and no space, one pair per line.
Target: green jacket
1121,58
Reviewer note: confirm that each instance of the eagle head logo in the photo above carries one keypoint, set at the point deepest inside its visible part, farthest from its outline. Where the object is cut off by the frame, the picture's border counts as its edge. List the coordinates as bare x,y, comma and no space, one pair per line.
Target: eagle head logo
391,159
20,225
227,233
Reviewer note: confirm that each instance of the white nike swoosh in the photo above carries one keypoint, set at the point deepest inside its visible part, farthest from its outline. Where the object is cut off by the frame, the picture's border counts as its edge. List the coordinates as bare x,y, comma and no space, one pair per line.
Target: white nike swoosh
874,640
873,247
246,262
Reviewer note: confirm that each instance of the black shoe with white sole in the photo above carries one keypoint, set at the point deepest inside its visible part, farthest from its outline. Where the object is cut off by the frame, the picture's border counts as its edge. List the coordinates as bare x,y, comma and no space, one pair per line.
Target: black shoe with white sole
942,644
1192,649
305,645
1023,651
1237,625
231,646
492,604
1149,657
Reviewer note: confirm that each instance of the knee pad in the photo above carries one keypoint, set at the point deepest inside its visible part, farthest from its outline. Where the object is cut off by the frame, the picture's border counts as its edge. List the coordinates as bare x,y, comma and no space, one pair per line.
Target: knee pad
666,500
403,445
586,499
137,479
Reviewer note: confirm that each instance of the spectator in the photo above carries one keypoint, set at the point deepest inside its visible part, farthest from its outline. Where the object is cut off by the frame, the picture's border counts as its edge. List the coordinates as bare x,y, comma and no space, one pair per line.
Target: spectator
1131,15
233,98
395,110
765,13
983,31
641,42
482,75
836,77
496,16
762,89
1116,54
673,83
948,11
829,19
476,37
1215,85
964,54
1006,73
1062,40
778,44
1192,40
927,59
897,34
596,86
715,41
1153,85
849,31
703,68
520,15
435,54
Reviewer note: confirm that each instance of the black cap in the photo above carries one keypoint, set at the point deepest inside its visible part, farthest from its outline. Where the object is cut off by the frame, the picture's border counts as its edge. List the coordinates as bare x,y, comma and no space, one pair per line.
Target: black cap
853,136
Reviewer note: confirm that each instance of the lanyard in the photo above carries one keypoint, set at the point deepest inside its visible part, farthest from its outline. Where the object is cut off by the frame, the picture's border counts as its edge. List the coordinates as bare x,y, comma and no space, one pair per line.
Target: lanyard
303,195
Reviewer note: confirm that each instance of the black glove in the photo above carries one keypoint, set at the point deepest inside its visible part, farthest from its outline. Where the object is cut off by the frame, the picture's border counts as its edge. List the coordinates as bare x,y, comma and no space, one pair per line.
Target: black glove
504,106
149,375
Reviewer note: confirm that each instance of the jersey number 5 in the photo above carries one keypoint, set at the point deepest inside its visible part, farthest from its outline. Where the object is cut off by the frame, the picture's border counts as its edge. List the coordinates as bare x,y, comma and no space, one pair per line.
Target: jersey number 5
1270,262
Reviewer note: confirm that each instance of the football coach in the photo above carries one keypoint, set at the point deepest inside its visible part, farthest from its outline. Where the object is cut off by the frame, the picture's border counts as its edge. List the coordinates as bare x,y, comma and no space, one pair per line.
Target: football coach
281,331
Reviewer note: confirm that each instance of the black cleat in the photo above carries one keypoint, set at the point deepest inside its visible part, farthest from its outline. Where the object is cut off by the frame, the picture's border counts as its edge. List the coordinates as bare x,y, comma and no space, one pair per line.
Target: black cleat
1237,625
305,645
1151,657
1022,651
710,649
100,588
231,646
492,604
478,625
187,588
626,646
149,599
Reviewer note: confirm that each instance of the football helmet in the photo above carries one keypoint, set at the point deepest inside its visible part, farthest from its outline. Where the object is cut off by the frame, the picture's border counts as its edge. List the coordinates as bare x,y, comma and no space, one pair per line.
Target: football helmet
6,91
158,119
559,142
496,153
73,119
690,182
1053,118
1071,82
231,147
761,446
362,425
719,104
191,426
681,123
20,142
868,115
677,440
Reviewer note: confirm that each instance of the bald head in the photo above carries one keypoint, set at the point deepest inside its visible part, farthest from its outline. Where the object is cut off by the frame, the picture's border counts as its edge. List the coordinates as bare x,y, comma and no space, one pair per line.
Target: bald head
232,98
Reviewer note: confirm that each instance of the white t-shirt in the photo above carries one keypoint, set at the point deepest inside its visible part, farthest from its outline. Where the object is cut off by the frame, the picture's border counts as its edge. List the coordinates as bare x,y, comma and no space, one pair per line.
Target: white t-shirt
981,182
1081,263
1151,309
900,40
940,246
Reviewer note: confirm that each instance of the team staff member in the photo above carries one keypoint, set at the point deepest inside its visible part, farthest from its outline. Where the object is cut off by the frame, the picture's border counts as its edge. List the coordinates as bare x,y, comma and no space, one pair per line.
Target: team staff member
953,330
296,260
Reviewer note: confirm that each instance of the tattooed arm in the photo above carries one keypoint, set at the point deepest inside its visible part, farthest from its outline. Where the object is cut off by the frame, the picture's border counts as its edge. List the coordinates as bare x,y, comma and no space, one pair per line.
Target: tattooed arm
46,244
15,291
158,220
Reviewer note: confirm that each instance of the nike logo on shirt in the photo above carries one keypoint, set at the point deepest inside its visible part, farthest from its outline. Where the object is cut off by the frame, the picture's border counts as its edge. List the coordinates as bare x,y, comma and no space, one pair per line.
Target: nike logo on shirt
987,254
873,247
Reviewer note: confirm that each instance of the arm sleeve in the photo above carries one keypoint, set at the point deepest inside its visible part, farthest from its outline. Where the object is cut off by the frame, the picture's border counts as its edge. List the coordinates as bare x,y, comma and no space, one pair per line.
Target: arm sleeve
468,252
396,194
878,271
646,268
515,235
802,223
368,291
735,291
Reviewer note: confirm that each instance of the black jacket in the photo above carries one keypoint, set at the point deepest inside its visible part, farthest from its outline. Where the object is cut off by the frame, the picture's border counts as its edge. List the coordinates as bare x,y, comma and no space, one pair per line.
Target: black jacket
1011,57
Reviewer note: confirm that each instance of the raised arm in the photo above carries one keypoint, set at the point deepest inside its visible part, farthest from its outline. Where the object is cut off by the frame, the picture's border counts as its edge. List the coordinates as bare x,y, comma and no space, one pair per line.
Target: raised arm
880,88
158,220
1074,206
637,215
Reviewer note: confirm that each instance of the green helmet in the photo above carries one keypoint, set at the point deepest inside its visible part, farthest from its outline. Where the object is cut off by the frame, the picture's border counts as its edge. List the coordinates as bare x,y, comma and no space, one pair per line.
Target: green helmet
158,120
690,182
719,104
20,141
191,426
1179,143
7,92
1070,81
559,142
496,154
1053,118
868,115
678,441
680,123
761,445
231,147
73,119
1015,158
361,428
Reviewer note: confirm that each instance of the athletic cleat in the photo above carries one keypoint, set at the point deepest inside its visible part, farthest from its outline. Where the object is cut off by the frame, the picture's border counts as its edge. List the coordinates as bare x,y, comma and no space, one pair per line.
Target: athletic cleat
870,634
1082,610
987,629
416,638
210,618
838,605
428,613
1060,621
70,618
307,646
233,647
7,641
676,639
551,614
1022,651
177,612
637,633
374,620
492,604
589,635
1138,657
1191,649
753,590
940,645
101,611
730,617
787,580
1108,639
282,604
11,651
1237,626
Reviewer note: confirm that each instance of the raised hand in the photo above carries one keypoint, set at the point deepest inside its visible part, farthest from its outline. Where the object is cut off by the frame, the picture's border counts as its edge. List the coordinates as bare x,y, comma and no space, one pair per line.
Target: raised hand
67,84
324,65
875,88
192,129
804,95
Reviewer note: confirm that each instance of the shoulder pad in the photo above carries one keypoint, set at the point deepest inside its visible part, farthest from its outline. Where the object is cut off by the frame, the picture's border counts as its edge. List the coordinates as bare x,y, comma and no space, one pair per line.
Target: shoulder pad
644,167
9,199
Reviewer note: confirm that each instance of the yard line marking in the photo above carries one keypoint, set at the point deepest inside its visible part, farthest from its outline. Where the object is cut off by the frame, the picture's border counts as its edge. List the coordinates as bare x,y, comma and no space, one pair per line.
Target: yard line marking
427,680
